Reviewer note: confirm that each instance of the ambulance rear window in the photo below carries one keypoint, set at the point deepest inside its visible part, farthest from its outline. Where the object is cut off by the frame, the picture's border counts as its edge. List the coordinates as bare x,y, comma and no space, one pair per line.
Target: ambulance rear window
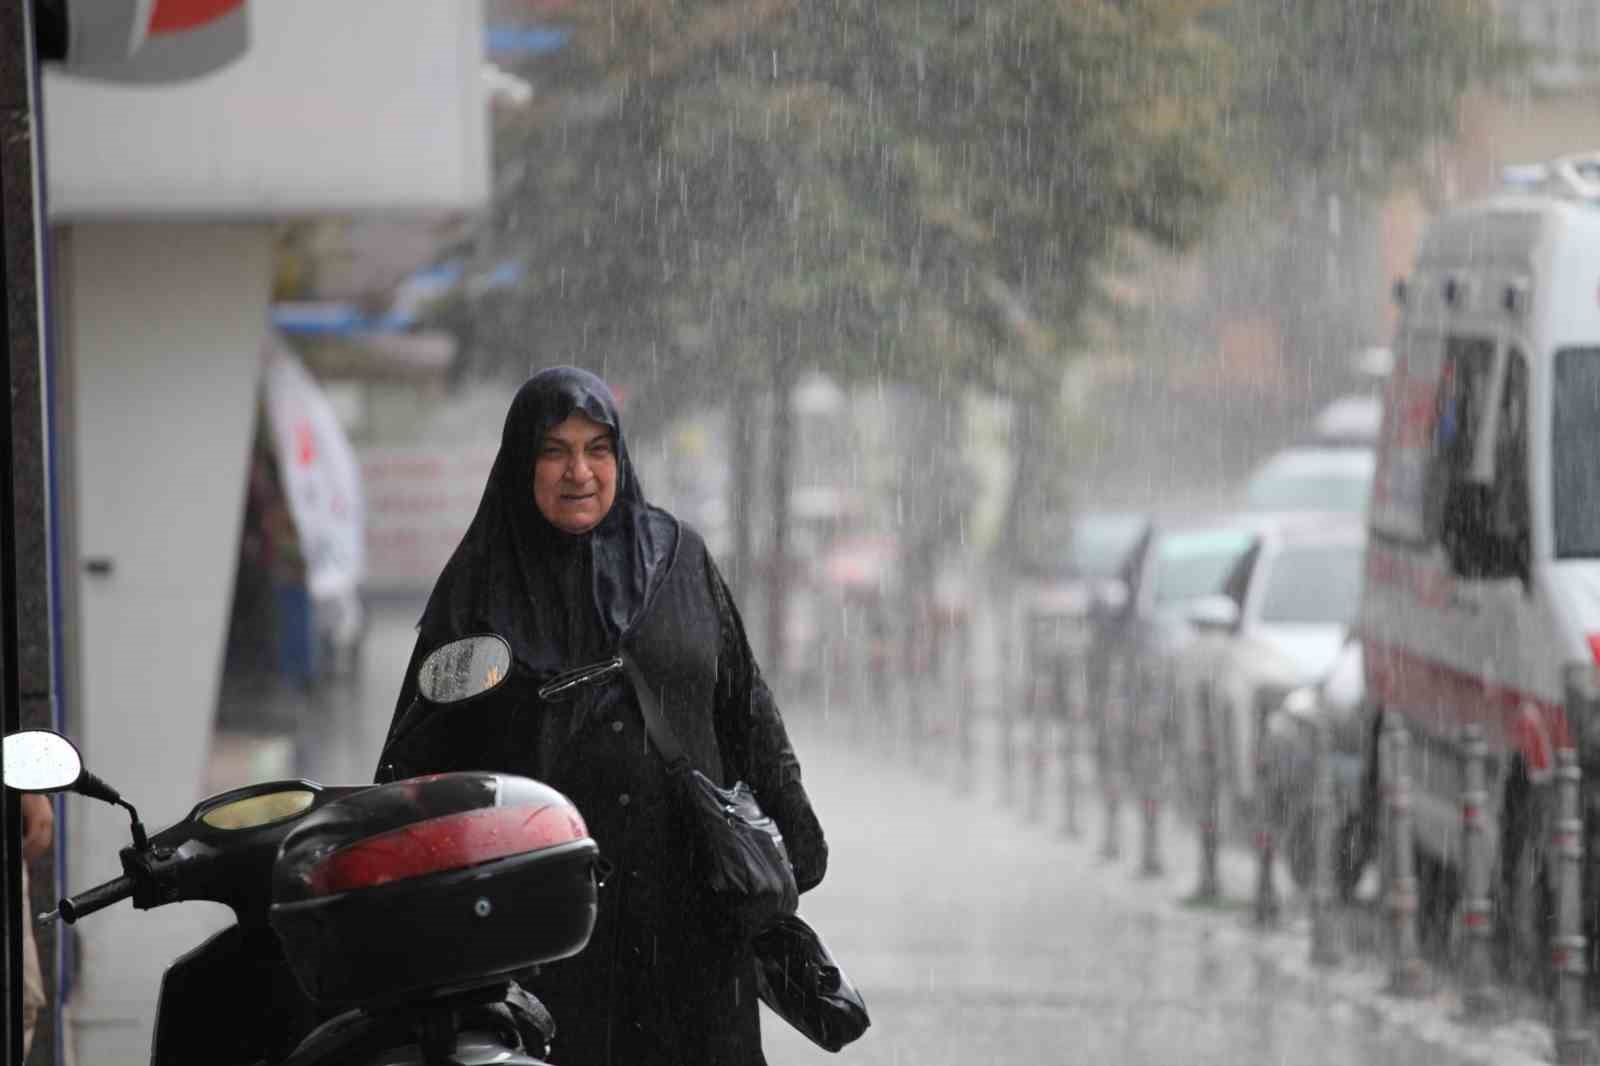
1575,453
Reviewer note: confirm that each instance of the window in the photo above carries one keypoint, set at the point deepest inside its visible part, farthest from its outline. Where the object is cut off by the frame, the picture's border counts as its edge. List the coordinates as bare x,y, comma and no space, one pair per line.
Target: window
1454,503
1313,585
1508,513
1481,484
1575,453
1190,567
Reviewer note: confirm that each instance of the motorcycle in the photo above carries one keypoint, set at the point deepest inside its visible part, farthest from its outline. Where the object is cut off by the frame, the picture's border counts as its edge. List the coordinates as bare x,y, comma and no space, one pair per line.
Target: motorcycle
375,924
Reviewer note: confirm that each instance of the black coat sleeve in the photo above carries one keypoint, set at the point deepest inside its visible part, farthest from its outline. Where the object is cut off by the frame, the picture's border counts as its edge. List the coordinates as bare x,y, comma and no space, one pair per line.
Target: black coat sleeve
755,745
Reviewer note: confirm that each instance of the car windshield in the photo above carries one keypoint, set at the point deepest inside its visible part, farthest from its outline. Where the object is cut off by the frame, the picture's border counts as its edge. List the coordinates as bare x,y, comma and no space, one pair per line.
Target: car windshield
1313,585
1312,486
1192,565
1575,452
1100,543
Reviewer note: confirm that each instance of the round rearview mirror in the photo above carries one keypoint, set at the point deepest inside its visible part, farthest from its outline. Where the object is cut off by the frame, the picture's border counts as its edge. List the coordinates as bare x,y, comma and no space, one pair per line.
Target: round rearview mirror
464,668
39,760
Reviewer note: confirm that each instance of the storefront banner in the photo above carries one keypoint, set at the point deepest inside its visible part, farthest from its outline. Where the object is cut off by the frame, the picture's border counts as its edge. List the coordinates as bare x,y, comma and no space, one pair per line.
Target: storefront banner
320,475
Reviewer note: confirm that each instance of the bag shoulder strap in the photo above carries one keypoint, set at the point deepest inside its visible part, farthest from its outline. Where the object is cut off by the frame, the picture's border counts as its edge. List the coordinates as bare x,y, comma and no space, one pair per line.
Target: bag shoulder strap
661,734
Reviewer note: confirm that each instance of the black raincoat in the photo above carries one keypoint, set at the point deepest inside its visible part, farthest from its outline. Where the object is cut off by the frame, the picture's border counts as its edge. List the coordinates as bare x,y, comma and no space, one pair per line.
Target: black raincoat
661,982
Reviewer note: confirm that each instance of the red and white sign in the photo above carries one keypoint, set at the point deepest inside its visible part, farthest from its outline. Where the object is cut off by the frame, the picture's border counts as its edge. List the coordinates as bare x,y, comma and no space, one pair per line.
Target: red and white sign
320,476
154,41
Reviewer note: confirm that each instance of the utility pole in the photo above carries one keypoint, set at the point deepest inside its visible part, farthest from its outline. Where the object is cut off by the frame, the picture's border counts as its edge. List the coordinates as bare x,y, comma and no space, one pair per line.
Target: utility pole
25,630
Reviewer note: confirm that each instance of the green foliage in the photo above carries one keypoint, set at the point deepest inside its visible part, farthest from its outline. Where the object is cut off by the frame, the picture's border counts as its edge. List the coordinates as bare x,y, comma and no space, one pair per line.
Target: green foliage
904,189
1350,90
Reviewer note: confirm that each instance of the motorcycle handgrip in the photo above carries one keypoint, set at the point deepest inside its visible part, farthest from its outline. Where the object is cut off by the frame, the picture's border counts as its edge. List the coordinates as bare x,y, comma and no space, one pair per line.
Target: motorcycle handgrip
97,898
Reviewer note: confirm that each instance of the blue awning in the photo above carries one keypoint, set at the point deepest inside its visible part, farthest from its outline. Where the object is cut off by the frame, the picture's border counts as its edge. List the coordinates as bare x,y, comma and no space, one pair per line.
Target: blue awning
526,40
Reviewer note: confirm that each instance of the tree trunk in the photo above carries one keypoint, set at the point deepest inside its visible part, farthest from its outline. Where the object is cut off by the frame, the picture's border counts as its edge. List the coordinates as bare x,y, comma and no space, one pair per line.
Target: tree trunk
1031,492
782,477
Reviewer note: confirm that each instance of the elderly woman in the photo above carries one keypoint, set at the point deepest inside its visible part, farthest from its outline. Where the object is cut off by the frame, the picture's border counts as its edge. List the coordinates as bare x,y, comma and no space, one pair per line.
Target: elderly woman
567,561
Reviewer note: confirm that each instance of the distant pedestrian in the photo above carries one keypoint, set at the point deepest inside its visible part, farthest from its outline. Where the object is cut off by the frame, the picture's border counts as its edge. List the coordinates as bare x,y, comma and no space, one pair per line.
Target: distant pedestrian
567,561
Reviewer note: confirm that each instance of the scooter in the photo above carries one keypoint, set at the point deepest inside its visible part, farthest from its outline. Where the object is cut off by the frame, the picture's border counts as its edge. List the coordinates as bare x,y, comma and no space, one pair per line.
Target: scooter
377,925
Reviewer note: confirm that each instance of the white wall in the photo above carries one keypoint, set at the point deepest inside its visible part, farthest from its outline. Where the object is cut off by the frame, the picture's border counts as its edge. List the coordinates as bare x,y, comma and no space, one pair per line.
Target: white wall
337,105
163,326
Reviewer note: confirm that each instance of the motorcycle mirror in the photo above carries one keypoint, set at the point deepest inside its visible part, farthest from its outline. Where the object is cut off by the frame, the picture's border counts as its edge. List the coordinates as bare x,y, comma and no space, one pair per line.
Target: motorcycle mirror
464,668
41,760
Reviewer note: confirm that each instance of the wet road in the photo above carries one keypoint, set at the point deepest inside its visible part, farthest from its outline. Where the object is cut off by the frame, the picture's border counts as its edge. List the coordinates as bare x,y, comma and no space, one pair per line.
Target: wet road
976,935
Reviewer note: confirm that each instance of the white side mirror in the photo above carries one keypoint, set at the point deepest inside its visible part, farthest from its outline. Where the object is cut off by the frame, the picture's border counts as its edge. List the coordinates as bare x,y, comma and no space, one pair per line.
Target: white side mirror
1216,613
39,760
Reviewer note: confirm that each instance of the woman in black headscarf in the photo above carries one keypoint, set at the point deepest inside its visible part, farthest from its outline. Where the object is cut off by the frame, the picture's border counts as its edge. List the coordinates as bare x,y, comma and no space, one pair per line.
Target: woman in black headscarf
567,562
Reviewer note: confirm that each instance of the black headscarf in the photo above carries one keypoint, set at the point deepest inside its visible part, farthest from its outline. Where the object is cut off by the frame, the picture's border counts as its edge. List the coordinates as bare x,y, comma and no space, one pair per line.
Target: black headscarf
517,575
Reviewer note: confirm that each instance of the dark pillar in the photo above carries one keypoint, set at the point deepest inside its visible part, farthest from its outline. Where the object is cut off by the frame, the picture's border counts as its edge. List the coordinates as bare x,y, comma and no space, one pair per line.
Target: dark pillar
25,634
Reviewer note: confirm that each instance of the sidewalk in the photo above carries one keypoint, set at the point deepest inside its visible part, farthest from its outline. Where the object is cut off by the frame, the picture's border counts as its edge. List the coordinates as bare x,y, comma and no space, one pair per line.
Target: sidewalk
976,931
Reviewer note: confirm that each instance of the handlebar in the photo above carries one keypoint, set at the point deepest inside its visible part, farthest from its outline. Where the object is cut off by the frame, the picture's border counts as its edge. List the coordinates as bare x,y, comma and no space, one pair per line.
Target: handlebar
90,900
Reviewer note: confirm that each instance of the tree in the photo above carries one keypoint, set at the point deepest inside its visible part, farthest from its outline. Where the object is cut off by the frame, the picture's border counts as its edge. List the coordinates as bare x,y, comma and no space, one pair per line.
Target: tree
875,188
927,194
1333,101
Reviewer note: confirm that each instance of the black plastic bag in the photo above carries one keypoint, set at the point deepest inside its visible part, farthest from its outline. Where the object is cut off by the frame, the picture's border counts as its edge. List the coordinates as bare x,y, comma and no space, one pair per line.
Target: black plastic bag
798,978
739,851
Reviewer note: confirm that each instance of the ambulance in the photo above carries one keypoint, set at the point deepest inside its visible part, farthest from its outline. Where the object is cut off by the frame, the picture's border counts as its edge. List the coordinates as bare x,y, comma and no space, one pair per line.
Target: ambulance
1481,587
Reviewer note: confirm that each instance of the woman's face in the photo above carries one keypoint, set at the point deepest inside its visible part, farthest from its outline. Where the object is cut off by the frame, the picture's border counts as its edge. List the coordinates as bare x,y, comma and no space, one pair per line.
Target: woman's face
575,474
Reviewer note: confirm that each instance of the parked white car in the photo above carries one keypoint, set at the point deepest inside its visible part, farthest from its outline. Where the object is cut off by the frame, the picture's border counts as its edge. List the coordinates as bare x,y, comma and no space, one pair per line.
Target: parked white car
1336,703
1312,478
1277,625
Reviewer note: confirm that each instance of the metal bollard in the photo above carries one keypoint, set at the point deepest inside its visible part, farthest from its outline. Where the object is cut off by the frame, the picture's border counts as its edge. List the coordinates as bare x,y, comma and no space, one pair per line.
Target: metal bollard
1479,997
1406,975
1324,943
1569,945
1385,809
933,719
854,654
966,712
1150,864
1210,885
1268,905
1148,761
1068,704
1038,745
1005,719
1110,767
916,688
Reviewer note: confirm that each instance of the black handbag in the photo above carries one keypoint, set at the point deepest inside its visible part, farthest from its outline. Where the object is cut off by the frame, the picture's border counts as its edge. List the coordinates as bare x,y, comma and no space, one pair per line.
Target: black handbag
738,848
797,977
